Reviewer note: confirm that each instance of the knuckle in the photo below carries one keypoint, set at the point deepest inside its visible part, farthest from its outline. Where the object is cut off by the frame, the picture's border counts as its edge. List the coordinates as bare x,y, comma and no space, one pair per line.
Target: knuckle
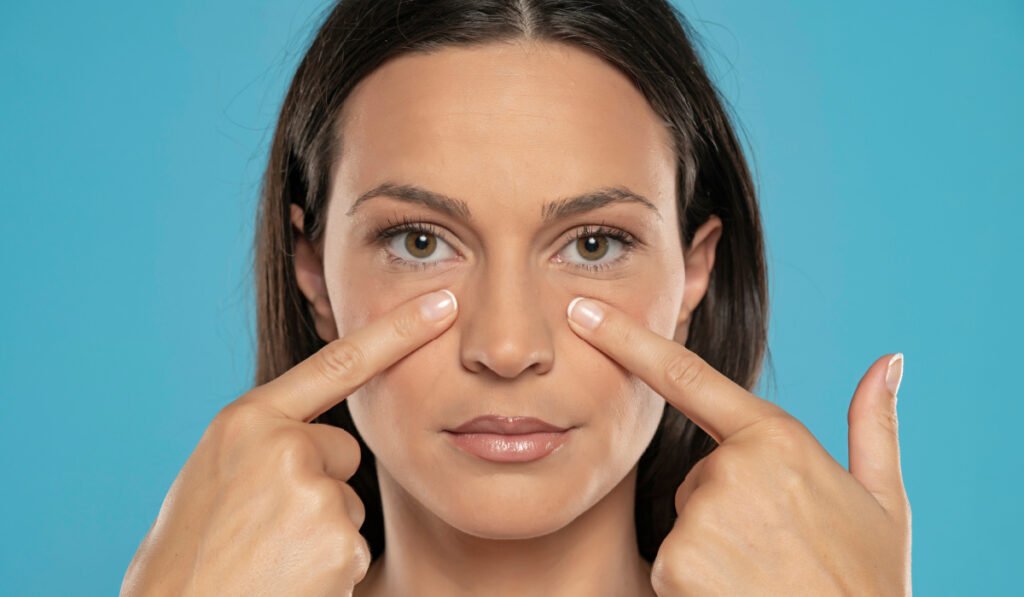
694,477
685,370
349,553
291,449
233,422
667,570
354,505
321,498
340,359
889,420
350,463
361,559
792,481
346,452
786,433
723,466
900,509
352,447
327,499
699,509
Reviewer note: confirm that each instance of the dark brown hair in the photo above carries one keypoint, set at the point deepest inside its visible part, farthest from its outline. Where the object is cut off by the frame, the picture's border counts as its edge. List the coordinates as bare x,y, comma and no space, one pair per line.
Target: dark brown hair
649,41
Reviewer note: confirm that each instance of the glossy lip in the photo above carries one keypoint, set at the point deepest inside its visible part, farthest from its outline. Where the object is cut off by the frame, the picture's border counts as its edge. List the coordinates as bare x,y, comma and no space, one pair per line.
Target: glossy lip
507,448
497,424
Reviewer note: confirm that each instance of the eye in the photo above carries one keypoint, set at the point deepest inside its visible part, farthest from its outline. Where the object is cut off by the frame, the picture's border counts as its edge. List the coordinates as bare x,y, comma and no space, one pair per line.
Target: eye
408,243
593,244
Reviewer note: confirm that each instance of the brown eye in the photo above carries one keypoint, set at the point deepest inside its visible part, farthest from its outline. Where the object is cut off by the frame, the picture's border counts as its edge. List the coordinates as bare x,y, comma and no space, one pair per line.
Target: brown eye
600,247
592,247
410,242
420,244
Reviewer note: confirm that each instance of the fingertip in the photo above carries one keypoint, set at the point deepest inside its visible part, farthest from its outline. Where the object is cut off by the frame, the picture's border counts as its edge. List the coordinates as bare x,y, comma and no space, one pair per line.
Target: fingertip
438,305
585,312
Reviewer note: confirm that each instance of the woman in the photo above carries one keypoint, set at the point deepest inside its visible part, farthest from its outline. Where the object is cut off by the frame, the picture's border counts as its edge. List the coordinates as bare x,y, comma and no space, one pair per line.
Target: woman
438,411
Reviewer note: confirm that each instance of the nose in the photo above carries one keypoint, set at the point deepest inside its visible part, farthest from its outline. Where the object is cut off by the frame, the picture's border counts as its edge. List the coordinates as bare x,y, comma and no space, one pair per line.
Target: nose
505,326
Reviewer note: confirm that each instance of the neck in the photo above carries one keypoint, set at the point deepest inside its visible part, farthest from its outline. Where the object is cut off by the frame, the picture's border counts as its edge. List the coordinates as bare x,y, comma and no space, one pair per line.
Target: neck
596,554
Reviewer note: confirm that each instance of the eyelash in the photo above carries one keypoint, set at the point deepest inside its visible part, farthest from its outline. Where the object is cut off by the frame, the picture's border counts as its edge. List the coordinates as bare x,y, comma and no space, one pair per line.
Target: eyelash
390,229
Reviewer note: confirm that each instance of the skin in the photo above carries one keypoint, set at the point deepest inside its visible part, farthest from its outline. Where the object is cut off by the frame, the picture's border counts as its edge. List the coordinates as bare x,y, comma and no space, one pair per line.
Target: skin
261,506
507,128
552,121
770,511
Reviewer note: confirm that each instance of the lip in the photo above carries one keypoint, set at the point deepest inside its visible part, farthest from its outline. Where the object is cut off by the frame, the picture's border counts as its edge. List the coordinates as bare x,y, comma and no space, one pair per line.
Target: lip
507,447
496,424
508,439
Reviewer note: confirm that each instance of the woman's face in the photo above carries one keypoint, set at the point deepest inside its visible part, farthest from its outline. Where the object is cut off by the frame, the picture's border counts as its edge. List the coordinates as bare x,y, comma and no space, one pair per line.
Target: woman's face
504,130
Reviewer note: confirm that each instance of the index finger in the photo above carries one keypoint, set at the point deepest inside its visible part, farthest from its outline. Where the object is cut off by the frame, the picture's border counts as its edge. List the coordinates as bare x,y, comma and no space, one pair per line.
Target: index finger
714,402
329,375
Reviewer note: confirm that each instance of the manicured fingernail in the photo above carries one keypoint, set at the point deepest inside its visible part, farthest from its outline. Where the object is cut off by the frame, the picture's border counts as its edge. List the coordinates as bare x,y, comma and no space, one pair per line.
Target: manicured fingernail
437,305
894,374
584,312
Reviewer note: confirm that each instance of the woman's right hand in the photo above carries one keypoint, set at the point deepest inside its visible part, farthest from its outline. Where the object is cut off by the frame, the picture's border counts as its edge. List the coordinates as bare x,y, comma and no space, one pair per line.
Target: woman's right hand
262,505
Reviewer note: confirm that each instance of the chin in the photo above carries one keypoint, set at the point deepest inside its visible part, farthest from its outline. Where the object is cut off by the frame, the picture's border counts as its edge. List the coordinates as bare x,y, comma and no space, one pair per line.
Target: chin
511,520
505,505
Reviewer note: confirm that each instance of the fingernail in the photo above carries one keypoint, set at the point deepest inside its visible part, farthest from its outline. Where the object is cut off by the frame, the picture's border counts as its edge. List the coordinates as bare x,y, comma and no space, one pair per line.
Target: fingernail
894,374
585,312
437,305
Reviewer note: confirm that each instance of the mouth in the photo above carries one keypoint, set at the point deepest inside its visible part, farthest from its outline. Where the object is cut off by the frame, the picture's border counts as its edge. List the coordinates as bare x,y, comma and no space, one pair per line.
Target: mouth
508,448
509,439
507,426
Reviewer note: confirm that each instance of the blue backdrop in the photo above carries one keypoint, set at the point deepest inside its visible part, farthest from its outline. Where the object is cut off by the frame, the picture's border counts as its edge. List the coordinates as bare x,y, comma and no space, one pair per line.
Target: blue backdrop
886,141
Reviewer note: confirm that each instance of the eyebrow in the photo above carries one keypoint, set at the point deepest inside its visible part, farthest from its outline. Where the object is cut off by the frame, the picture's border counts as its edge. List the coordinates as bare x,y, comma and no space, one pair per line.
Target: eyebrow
457,208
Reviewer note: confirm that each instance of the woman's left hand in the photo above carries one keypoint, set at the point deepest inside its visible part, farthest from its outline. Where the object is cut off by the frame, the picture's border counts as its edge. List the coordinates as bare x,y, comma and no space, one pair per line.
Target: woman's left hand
769,511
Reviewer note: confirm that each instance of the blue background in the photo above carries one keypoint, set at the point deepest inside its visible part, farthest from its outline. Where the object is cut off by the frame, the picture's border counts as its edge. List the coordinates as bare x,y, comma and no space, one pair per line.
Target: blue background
886,141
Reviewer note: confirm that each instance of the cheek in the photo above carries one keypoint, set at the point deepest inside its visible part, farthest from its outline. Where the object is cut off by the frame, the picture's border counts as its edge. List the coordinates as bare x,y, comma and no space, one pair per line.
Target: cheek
358,297
394,402
625,409
637,418
397,410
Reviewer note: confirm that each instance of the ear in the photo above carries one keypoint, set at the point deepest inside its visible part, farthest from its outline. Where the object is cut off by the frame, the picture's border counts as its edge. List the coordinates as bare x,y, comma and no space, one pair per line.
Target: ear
699,260
309,275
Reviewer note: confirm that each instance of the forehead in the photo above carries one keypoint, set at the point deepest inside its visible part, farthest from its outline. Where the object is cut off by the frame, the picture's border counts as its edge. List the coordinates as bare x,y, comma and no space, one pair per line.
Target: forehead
503,125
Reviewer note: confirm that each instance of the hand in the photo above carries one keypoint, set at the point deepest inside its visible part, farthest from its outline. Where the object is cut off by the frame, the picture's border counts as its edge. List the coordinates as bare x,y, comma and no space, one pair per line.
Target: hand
261,506
769,511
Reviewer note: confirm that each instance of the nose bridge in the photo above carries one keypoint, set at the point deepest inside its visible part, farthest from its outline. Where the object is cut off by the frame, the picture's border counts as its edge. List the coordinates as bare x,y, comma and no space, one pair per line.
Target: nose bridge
507,331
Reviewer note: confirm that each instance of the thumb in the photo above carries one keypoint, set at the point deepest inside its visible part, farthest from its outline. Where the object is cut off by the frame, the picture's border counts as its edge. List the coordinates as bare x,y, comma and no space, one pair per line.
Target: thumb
874,432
